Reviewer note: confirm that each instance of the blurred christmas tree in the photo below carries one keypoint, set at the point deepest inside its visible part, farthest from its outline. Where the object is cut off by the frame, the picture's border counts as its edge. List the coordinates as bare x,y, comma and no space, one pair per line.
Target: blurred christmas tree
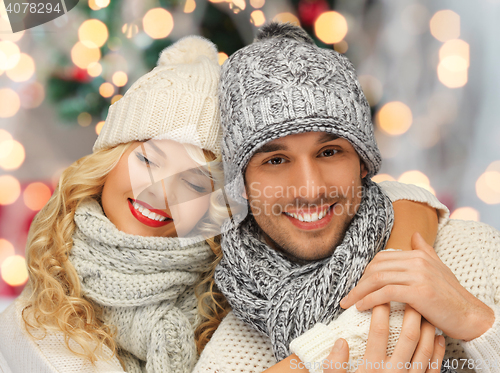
84,82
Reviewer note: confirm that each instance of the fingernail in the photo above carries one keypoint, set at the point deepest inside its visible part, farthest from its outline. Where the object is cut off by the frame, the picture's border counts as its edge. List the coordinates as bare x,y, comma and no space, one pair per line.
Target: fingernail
338,345
359,304
441,341
344,300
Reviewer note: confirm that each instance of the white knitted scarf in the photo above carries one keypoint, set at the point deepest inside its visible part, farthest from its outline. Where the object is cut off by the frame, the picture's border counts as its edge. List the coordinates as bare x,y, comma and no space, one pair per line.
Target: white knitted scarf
284,299
146,288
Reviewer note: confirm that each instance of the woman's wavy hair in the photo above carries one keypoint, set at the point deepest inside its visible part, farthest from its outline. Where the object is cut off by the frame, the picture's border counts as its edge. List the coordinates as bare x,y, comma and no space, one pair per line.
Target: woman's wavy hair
56,302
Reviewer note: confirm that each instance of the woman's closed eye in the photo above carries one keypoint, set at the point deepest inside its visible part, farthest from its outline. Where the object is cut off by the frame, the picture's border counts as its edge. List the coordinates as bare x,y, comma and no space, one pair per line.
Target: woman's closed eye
196,186
145,160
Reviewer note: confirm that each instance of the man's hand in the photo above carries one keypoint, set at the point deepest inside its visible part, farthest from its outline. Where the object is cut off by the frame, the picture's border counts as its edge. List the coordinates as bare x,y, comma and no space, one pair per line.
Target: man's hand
420,279
418,349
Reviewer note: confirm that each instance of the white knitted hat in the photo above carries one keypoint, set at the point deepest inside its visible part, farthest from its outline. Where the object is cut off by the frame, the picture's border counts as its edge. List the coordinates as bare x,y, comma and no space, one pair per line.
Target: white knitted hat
177,100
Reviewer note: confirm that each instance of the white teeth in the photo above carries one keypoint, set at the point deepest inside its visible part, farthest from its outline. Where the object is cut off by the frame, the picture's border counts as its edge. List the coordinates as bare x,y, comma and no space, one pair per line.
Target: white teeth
149,214
309,218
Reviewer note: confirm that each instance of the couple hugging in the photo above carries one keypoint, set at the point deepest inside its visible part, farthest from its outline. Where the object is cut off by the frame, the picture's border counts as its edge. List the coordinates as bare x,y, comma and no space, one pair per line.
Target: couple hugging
226,221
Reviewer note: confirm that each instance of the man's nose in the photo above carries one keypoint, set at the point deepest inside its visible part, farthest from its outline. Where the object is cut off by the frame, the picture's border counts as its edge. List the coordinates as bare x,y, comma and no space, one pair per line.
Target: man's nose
308,179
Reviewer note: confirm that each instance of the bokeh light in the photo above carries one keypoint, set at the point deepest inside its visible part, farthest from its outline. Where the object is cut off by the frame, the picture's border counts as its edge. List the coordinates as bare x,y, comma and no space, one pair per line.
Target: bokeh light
382,177
445,25
158,23
416,178
93,33
455,48
6,250
32,95
394,118
10,189
190,6
102,3
257,3
9,55
330,27
98,127
372,88
94,69
116,98
130,30
237,5
93,5
222,57
24,69
84,119
451,78
287,17
120,78
6,144
36,195
488,187
15,158
106,89
14,271
341,46
257,18
82,56
465,213
9,103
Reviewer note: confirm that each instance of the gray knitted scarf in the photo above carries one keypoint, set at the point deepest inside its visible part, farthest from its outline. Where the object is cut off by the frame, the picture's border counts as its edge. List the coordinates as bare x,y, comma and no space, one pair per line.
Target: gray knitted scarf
284,299
146,288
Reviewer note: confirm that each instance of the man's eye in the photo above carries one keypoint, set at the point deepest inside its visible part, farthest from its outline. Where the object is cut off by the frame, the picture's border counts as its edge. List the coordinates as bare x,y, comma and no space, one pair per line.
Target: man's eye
329,152
276,161
143,159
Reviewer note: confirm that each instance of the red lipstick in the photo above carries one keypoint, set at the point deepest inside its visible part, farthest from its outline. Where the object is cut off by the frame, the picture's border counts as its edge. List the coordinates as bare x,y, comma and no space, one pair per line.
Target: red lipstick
145,220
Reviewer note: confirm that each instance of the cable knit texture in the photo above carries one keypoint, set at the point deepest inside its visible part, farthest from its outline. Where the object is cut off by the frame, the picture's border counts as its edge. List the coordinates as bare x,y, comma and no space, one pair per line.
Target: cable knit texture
146,285
282,298
177,100
470,249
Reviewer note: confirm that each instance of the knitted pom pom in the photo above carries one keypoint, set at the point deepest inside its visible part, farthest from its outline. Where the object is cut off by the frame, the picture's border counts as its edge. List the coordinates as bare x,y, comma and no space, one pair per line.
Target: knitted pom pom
187,50
283,30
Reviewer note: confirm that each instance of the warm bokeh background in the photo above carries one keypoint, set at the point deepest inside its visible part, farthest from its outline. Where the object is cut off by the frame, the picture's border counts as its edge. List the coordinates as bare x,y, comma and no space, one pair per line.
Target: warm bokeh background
429,69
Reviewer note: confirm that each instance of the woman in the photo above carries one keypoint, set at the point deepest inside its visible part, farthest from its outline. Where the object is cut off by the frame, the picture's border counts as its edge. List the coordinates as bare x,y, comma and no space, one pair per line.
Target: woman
113,264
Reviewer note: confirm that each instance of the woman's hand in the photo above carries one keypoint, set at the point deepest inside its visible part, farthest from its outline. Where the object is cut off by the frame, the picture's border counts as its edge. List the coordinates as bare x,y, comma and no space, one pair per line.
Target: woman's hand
418,349
419,278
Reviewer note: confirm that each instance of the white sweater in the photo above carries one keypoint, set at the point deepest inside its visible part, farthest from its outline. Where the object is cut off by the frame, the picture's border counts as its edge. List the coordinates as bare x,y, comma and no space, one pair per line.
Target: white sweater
19,353
471,250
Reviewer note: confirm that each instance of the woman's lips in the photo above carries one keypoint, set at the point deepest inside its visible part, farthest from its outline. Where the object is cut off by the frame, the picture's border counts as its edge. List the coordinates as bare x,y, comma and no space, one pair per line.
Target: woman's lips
147,221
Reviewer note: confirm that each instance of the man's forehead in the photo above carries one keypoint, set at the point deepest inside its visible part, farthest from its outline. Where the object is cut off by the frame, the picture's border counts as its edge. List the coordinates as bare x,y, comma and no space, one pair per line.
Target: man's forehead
281,143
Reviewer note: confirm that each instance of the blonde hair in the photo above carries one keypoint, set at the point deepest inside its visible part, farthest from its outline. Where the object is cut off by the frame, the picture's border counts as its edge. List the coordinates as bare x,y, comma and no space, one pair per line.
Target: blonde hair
56,303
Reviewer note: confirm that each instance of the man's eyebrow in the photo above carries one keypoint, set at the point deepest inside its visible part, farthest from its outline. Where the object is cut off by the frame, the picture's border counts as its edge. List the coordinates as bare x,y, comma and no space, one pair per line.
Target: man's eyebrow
325,137
268,148
156,148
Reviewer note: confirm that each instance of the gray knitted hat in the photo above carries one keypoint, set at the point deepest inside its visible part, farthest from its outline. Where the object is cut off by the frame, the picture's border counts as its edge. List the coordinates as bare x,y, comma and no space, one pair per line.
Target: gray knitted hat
284,84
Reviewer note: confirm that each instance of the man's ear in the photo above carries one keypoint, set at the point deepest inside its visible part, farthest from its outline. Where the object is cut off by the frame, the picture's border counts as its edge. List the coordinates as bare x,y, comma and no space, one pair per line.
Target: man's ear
364,170
244,193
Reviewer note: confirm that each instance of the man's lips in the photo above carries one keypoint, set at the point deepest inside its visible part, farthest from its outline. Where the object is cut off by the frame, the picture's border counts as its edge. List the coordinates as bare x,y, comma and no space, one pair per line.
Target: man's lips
317,223
145,220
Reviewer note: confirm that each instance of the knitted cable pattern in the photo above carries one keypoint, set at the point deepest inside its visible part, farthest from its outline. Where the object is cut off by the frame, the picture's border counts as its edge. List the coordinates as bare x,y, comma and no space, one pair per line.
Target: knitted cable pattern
146,288
284,299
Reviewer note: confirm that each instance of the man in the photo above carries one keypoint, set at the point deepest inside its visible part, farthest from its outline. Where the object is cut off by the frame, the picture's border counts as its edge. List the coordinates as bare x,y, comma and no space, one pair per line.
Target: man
298,129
